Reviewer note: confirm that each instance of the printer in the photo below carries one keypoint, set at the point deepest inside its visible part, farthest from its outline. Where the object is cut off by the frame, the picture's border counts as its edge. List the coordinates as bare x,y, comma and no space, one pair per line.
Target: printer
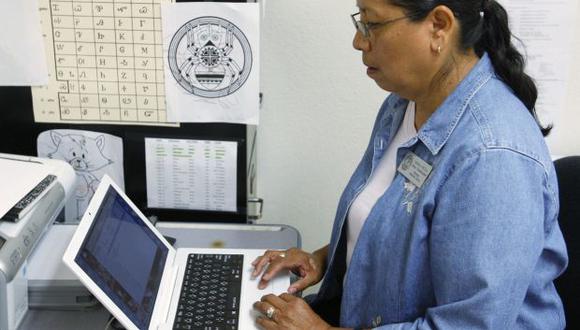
33,192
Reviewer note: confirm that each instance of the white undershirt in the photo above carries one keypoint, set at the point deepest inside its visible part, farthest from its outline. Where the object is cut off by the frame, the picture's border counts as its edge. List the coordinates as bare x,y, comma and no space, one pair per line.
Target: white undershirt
379,182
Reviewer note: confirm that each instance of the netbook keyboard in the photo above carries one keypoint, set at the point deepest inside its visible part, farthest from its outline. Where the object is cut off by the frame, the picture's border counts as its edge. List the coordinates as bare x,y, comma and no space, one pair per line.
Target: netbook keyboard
210,295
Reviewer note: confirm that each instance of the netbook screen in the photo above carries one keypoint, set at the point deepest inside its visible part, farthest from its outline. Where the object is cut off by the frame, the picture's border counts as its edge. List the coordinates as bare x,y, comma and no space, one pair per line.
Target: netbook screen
124,258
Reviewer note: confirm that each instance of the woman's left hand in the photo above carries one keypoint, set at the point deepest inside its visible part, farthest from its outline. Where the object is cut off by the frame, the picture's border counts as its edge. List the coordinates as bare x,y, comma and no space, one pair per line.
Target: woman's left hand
287,312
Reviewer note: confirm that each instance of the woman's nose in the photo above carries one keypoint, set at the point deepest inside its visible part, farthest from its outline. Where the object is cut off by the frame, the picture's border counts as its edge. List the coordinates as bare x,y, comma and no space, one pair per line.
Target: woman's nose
359,42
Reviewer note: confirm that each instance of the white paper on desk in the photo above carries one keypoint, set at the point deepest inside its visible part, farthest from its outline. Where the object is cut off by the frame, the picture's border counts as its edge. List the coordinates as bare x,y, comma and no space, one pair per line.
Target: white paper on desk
211,56
546,28
191,174
92,155
22,54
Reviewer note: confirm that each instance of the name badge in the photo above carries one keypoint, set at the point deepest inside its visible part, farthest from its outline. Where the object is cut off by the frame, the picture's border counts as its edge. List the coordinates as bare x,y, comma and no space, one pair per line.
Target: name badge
414,169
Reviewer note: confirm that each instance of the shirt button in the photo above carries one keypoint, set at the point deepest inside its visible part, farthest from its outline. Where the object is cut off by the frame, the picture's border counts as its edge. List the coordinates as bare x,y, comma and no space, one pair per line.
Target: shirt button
377,321
379,144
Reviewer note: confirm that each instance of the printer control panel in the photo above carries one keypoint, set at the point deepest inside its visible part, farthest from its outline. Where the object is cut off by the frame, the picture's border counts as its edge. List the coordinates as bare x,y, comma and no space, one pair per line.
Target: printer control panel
15,250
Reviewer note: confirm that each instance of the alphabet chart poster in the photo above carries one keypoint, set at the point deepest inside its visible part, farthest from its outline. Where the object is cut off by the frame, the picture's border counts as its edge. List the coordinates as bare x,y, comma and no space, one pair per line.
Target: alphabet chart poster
105,63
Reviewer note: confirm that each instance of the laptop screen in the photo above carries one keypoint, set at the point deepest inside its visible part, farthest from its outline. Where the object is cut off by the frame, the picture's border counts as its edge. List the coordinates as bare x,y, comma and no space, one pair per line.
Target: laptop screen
124,258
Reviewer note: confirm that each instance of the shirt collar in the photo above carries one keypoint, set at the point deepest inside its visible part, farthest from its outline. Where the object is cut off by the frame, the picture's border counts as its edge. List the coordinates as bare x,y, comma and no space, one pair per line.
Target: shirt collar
435,132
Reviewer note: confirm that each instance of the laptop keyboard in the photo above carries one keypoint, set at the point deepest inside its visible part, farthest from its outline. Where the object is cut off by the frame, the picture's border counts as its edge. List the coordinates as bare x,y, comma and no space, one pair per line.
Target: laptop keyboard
210,295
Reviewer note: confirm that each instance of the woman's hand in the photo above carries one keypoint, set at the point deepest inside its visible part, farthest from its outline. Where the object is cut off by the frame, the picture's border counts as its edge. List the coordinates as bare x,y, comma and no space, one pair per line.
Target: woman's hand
287,312
309,266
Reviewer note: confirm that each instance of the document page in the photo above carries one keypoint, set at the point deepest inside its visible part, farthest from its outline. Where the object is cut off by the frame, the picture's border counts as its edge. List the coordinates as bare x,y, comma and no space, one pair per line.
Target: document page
106,63
191,174
211,56
22,60
91,155
546,28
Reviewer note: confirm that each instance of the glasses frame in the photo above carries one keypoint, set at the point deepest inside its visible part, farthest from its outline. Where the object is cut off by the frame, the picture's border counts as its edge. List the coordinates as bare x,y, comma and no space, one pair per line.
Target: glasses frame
365,28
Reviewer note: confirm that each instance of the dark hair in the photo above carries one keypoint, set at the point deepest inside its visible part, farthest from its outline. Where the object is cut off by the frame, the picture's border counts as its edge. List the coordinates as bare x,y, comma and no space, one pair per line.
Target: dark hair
484,28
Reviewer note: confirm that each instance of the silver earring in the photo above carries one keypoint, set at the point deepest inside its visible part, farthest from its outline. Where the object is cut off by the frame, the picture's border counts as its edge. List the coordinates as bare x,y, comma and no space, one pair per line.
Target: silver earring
439,49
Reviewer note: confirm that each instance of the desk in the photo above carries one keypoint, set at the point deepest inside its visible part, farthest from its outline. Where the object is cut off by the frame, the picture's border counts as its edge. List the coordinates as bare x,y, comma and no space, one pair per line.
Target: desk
231,236
186,235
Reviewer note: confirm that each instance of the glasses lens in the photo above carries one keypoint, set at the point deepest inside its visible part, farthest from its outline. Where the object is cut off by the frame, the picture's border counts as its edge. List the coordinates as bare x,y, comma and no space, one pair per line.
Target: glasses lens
363,29
360,26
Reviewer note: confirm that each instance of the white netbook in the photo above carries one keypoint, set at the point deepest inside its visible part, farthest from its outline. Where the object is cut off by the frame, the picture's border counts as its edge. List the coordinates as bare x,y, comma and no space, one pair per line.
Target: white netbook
147,284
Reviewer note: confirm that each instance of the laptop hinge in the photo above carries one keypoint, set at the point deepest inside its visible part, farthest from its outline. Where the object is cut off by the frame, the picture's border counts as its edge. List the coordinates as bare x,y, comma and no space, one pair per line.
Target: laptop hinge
168,299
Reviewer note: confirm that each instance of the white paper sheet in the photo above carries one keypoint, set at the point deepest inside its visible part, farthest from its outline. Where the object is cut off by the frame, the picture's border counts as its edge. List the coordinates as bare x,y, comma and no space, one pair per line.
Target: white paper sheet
546,28
105,63
191,174
22,55
91,154
211,56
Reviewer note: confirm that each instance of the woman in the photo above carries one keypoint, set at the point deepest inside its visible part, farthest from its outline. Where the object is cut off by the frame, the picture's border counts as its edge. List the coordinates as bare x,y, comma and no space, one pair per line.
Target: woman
450,219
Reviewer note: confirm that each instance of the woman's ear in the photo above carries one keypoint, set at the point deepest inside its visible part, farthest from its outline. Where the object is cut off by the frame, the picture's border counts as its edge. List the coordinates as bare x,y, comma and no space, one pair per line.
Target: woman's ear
443,25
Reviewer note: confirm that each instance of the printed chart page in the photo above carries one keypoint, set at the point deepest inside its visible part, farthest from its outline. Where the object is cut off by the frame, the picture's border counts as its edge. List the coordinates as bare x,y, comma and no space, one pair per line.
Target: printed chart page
105,62
191,174
546,28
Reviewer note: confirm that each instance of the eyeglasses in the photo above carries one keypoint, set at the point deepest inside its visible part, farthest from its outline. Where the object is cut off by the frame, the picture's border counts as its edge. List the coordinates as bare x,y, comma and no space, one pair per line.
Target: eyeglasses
365,28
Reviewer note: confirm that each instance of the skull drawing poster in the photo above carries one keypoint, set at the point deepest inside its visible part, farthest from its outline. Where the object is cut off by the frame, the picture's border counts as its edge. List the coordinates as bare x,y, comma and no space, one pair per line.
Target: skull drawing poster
211,61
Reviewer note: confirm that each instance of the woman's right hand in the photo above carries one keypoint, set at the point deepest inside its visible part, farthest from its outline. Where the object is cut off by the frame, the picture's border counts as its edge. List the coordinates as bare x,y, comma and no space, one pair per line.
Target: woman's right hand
308,266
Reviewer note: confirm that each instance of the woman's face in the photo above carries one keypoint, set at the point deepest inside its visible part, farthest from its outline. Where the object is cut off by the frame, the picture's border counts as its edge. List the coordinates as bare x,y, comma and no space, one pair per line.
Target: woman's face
397,55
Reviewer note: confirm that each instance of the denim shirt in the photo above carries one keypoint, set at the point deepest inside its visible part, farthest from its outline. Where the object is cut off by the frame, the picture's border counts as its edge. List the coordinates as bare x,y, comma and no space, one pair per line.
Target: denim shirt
477,245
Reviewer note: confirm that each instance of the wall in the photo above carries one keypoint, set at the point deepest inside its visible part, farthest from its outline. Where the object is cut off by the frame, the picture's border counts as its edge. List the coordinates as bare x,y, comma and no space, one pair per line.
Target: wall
319,108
